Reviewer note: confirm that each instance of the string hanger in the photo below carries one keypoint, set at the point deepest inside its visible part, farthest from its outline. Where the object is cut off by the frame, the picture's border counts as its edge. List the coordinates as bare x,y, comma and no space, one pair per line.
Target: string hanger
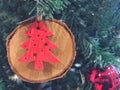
39,11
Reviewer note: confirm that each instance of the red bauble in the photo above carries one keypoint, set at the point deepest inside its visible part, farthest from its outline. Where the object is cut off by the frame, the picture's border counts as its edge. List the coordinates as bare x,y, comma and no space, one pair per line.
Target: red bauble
107,79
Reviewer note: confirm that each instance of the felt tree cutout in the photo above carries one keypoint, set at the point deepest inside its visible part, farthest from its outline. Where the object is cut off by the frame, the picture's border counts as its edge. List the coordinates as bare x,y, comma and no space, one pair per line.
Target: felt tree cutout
38,46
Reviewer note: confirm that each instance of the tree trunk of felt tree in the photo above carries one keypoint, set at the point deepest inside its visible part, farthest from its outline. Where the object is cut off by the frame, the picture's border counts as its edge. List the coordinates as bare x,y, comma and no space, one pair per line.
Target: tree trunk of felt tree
64,51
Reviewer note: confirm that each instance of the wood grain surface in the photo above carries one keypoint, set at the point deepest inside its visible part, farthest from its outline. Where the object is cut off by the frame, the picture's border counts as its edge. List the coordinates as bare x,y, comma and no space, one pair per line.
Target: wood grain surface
65,52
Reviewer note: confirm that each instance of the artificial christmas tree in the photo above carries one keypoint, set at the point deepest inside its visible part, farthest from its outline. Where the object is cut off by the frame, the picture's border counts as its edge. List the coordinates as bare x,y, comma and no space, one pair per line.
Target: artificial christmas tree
95,25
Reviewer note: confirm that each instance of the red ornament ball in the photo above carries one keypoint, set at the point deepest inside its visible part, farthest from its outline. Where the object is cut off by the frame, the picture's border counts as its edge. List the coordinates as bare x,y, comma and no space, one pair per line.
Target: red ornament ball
107,79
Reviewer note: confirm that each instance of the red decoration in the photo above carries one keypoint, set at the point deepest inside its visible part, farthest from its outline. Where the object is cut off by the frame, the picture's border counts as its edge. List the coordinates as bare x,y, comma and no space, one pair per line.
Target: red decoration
107,79
38,46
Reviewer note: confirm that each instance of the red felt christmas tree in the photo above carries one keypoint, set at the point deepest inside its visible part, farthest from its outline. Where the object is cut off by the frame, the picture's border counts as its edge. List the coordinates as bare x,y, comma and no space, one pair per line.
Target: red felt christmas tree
38,46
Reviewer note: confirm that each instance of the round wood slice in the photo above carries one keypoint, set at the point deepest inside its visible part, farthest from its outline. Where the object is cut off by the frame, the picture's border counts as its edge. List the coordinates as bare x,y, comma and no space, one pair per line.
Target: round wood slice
65,52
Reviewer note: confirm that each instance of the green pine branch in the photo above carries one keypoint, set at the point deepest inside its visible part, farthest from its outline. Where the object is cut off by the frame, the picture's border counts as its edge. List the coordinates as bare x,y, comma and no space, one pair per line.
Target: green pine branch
47,8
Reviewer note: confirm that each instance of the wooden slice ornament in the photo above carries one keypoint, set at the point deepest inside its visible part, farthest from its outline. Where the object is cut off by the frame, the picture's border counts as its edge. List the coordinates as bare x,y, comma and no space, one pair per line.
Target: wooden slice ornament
40,51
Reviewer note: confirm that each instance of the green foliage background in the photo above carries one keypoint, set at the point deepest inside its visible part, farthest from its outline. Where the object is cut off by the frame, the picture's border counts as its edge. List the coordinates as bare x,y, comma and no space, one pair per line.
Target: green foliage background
94,23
